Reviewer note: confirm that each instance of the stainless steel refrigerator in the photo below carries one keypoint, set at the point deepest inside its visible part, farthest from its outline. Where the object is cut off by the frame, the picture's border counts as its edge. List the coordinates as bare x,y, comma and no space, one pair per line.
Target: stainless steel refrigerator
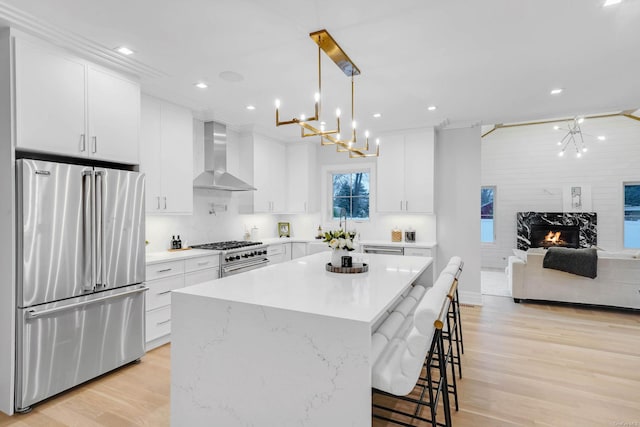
80,291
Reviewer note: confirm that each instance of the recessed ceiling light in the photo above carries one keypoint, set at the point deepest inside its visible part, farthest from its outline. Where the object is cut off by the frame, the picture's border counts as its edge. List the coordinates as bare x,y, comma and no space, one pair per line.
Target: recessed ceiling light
124,50
602,138
432,108
608,3
377,115
556,91
201,85
231,76
251,107
556,127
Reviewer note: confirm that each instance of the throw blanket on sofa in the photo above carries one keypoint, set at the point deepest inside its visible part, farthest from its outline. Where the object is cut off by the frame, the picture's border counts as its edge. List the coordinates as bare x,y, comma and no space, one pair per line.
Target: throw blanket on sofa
583,262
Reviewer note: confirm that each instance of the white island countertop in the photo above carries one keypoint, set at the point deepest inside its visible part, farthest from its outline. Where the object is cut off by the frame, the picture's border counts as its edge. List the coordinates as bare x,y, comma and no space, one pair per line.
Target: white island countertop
284,345
304,285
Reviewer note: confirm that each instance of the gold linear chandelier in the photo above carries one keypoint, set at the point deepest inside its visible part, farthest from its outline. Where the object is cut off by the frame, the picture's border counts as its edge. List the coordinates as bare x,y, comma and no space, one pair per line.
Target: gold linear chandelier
327,44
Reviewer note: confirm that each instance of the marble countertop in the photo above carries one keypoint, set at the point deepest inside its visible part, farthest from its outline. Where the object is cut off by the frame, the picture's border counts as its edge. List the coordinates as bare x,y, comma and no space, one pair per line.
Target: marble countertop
304,285
158,257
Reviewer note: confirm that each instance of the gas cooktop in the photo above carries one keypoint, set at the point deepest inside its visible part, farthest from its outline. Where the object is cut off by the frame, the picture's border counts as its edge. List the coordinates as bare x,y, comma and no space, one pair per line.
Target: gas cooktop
225,246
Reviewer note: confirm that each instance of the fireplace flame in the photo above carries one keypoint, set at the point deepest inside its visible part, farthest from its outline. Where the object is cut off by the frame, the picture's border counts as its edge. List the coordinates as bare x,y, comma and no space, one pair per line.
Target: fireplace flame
553,238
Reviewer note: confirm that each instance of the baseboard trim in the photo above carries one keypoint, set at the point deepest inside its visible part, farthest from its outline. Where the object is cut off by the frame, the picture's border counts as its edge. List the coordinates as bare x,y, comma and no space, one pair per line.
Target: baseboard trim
470,298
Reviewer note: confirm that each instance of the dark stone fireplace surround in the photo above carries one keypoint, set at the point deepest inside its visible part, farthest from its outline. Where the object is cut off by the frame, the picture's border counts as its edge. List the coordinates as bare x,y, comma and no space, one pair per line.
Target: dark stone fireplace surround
586,221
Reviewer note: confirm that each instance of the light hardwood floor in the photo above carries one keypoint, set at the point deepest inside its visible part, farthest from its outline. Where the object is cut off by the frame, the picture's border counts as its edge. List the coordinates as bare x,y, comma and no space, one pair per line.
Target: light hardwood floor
524,365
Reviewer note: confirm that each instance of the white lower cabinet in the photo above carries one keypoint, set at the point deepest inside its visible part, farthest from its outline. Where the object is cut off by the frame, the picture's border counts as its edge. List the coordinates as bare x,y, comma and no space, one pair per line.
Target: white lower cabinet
298,249
417,251
279,252
164,277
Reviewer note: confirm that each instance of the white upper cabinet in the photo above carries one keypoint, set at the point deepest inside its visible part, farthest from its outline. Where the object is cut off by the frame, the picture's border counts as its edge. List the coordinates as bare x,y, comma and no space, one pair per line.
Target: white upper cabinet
114,117
50,101
166,156
268,172
405,173
302,178
67,106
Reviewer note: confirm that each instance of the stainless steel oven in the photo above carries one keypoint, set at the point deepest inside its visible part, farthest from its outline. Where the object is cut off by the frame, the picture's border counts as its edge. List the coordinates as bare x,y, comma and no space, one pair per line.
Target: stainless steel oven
237,256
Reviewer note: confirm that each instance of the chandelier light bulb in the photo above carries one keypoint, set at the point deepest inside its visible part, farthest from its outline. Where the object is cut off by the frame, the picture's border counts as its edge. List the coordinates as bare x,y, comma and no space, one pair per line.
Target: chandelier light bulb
277,103
317,96
302,117
321,128
338,136
581,119
338,113
353,124
377,141
559,142
556,127
584,150
578,155
350,144
366,134
561,153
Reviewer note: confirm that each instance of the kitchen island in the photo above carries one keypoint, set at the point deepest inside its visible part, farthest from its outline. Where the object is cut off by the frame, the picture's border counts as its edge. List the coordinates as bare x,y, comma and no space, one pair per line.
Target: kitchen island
284,345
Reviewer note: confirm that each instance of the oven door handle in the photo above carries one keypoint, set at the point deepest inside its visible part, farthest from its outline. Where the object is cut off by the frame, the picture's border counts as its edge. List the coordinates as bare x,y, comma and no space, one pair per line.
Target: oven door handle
237,268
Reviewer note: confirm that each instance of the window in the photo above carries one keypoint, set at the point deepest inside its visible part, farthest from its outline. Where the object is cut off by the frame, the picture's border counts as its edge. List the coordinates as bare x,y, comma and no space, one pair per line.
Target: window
632,215
487,205
350,195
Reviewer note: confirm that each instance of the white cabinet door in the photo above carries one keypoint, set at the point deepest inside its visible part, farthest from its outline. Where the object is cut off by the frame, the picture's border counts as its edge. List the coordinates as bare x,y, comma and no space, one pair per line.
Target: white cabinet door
201,276
418,172
278,184
50,101
177,159
390,174
151,152
298,249
301,178
417,251
261,175
114,117
166,156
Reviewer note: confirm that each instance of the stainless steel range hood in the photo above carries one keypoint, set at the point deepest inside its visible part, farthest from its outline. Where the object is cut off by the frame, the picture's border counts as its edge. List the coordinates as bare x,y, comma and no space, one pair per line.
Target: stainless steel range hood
215,175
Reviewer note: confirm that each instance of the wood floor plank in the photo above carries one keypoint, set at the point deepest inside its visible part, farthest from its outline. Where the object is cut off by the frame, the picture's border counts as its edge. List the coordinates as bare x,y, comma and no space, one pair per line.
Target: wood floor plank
524,365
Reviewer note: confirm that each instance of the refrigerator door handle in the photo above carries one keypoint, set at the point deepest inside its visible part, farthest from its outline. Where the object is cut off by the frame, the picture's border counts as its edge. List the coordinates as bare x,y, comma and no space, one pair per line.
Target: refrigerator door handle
88,228
33,313
101,245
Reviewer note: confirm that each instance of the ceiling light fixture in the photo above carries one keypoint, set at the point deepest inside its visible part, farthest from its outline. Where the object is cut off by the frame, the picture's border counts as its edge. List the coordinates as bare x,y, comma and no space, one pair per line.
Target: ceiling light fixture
556,91
432,108
608,3
602,138
124,50
377,115
327,44
201,85
574,137
251,107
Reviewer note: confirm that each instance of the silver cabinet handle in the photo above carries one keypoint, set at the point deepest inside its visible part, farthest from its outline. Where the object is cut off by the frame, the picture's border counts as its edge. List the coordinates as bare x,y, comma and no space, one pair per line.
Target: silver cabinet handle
163,293
35,313
83,142
165,270
163,322
165,202
203,263
158,202
94,140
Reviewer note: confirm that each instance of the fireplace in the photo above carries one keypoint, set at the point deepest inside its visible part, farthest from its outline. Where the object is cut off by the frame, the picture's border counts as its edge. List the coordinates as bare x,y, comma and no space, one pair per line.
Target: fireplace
548,235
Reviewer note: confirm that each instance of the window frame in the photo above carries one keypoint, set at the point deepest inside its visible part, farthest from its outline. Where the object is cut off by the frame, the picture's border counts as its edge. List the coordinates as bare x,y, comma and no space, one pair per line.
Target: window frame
495,198
327,172
624,185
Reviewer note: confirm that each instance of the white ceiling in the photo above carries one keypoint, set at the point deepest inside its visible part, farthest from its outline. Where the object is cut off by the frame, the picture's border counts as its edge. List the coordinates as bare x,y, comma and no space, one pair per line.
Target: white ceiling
491,61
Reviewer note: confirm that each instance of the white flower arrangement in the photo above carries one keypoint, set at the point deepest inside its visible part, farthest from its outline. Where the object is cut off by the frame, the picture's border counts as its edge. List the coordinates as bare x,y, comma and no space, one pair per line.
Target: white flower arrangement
339,239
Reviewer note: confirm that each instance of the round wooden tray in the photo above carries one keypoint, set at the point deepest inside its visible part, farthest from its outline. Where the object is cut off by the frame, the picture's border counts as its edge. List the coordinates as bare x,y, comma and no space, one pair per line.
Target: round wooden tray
357,268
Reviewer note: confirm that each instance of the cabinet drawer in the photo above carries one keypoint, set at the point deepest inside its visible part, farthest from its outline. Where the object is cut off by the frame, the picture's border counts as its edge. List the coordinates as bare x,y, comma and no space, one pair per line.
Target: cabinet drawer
417,251
275,250
164,269
158,323
200,263
160,291
200,276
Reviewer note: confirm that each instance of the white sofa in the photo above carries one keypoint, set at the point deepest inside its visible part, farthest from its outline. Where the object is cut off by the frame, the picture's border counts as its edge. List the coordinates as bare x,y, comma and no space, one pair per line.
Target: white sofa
617,283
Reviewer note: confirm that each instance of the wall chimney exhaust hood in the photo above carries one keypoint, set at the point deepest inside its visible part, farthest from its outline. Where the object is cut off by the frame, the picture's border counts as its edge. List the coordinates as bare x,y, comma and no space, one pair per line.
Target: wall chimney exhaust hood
215,175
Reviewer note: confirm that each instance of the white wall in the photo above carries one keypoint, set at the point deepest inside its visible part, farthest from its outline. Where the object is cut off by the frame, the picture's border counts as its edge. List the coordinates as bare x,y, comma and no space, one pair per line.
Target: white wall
458,205
523,163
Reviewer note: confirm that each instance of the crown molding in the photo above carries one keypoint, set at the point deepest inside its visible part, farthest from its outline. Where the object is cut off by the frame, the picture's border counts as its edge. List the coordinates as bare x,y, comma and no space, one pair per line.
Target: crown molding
88,49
